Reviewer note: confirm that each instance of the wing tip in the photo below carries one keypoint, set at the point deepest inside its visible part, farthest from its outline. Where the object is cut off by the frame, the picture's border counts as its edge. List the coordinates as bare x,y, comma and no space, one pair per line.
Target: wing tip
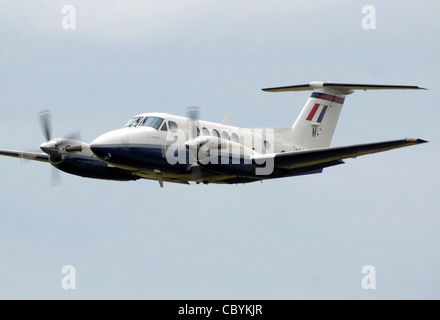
416,140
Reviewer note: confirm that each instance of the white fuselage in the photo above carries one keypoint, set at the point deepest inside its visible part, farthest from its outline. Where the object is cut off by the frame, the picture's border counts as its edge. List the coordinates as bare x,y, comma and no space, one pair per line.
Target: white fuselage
145,148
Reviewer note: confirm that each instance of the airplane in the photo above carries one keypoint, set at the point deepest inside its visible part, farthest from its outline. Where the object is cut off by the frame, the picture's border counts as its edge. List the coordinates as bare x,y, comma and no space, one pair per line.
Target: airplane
171,148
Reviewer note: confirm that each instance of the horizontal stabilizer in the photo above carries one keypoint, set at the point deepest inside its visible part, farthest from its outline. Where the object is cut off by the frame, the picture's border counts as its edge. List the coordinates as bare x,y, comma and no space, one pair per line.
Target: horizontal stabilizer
299,159
342,88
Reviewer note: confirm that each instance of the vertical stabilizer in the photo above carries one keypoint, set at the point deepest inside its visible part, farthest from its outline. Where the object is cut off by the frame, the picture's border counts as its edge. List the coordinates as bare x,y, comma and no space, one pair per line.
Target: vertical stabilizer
315,126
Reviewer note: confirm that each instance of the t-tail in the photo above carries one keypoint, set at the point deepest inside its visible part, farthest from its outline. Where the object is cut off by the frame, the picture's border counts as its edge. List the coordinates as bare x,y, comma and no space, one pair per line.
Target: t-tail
316,124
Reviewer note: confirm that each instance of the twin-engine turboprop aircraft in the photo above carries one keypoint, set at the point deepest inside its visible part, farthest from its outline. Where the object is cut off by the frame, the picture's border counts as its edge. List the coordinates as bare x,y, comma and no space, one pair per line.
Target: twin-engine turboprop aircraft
165,147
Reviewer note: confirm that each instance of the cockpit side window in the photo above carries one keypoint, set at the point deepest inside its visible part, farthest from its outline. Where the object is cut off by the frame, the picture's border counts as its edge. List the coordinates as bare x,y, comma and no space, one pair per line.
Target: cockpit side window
153,122
133,122
173,126
164,127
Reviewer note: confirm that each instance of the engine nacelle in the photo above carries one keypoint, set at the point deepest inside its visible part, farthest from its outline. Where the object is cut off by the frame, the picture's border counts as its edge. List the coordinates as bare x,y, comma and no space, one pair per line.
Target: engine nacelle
90,168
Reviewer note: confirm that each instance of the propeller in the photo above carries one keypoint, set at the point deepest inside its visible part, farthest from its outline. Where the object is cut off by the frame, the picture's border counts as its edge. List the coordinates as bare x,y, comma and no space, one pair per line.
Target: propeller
45,120
55,177
193,116
75,135
52,146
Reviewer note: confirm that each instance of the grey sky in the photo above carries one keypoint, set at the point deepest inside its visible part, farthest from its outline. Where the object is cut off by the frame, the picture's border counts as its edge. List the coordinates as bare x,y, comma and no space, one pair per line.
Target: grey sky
294,238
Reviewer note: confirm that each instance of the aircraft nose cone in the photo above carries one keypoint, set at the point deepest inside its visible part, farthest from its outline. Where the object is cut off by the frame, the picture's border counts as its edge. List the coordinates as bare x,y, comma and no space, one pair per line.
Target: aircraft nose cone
99,145
49,147
113,146
104,145
97,142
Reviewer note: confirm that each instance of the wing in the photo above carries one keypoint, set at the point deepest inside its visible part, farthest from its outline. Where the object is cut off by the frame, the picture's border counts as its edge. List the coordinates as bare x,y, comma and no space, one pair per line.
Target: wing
326,156
25,155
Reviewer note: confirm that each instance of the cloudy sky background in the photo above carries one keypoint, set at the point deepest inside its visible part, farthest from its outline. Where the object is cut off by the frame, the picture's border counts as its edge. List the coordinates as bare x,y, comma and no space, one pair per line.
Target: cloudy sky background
296,238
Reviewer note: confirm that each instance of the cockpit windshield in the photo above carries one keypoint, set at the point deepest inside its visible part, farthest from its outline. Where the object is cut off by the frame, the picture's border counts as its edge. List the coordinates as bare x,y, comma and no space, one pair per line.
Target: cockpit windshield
133,122
153,122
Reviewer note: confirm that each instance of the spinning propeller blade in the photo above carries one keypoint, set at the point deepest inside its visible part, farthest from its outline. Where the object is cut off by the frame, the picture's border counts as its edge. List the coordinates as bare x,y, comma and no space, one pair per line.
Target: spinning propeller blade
45,121
75,135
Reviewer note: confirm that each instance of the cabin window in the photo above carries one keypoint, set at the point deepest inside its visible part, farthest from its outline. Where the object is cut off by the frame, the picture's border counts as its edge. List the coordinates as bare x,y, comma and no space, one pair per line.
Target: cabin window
173,126
235,138
205,131
215,133
134,122
225,135
153,122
